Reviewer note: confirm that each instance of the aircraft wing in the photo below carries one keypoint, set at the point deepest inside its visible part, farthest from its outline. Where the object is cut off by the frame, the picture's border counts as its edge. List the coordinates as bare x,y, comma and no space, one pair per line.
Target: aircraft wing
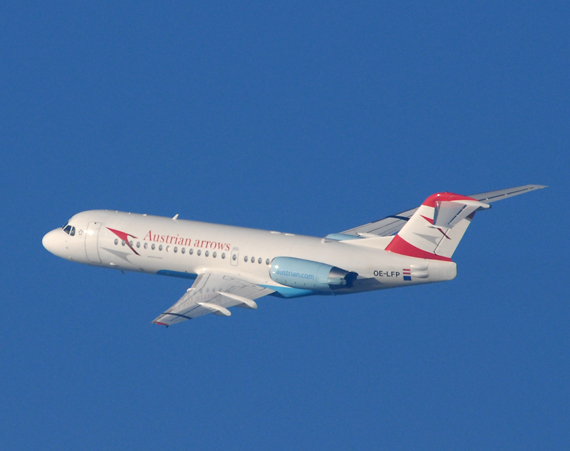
213,293
392,224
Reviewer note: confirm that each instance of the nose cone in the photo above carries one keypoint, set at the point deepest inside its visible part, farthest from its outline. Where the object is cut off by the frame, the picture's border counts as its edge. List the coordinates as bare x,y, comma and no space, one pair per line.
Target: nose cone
51,241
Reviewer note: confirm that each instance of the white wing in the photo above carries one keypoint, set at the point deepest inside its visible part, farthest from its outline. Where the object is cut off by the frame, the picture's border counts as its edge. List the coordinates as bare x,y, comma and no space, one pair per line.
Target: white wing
391,225
213,293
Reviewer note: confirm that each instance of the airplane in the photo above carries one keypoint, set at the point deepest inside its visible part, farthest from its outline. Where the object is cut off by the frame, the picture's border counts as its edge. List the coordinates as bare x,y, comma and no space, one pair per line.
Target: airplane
235,266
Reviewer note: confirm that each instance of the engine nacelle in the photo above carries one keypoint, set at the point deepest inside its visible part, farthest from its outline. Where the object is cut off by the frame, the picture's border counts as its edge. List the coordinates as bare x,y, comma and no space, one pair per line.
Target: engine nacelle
310,275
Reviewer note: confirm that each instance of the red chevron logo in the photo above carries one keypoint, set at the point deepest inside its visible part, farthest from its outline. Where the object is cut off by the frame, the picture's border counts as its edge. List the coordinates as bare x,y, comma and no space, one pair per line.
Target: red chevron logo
124,237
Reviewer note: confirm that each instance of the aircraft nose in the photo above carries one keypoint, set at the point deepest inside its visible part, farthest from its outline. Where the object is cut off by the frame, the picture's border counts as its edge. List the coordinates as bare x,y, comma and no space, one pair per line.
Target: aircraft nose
50,241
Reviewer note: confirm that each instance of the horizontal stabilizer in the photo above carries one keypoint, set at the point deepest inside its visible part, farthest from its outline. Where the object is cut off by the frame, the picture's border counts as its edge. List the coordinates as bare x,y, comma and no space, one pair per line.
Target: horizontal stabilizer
494,196
449,213
393,224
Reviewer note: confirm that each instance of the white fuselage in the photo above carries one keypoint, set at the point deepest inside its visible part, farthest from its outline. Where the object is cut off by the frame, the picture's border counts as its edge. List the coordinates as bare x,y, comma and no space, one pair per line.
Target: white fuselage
182,248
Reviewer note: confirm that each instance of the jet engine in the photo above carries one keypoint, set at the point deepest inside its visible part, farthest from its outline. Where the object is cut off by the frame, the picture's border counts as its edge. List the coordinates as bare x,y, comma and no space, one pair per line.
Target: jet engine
310,275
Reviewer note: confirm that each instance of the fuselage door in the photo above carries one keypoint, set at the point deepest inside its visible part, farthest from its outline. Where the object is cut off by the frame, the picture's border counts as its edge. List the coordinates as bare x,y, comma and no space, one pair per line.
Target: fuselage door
234,258
92,241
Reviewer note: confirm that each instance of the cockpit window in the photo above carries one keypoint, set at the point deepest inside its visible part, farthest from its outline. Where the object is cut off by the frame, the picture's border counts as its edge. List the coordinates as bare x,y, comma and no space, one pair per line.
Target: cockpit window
69,229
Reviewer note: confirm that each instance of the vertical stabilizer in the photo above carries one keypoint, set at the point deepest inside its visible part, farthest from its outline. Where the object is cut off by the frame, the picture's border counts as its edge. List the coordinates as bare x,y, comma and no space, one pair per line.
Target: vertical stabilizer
435,229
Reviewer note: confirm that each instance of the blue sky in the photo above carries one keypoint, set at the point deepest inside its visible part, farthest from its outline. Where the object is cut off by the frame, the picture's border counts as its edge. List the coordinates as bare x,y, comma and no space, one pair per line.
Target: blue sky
302,118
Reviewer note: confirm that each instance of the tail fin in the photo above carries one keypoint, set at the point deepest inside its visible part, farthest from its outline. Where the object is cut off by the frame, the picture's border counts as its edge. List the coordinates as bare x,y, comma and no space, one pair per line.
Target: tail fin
435,229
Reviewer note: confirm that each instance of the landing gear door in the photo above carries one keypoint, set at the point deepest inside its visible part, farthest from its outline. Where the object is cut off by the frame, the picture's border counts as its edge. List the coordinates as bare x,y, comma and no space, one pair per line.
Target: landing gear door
234,258
92,242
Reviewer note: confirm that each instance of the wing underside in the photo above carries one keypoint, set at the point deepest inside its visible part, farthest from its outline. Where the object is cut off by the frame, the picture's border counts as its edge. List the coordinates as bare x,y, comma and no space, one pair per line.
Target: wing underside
391,225
213,293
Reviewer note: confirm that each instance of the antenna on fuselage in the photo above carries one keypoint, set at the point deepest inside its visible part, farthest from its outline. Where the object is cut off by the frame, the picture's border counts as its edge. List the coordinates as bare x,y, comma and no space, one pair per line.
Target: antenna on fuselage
175,216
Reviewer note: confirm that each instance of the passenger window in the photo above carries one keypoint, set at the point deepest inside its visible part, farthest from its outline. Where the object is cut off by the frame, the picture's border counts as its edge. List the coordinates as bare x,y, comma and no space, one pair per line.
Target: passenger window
267,262
245,259
259,260
131,243
199,252
152,246
191,251
175,249
116,241
183,250
214,254
167,247
145,245
234,257
252,259
138,244
223,255
207,253
160,247
122,242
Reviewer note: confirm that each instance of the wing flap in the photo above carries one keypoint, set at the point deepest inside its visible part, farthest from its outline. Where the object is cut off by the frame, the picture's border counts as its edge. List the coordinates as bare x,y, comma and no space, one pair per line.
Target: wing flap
242,302
212,293
215,308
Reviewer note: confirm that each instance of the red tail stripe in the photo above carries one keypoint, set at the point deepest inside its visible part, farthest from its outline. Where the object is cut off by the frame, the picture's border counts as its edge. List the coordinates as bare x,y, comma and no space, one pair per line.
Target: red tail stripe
400,246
